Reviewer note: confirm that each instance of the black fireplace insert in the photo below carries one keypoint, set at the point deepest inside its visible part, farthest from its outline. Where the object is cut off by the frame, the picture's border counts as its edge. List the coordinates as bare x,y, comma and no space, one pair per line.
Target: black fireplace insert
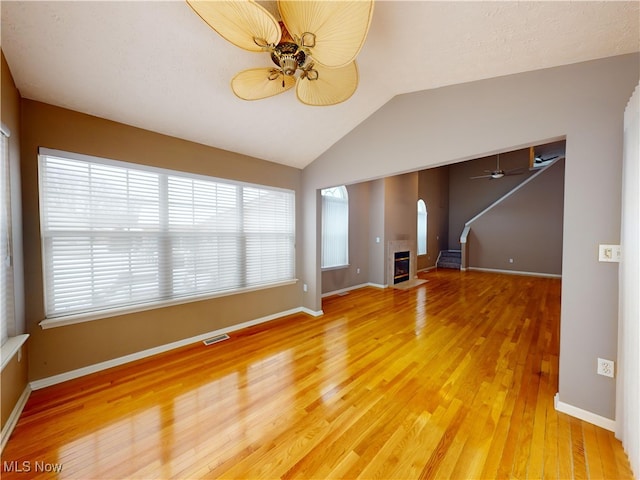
400,267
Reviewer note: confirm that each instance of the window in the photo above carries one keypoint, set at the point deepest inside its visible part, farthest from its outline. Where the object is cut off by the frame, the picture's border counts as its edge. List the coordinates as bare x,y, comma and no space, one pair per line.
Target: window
116,234
422,228
6,252
335,227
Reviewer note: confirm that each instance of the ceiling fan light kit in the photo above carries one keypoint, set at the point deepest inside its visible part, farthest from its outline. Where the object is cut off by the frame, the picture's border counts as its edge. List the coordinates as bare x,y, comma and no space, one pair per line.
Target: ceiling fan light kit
313,45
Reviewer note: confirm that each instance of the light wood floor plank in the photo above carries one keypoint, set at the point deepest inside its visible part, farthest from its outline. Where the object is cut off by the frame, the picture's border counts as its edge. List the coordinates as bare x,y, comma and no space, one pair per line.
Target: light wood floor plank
454,379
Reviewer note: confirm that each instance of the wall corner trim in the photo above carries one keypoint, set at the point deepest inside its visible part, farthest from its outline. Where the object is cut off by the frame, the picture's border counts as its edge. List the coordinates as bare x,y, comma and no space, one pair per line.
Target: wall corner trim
12,421
584,415
89,369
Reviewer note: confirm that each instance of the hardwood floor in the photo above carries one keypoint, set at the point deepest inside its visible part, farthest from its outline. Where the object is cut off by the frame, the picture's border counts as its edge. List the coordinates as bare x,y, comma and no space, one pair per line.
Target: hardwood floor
452,379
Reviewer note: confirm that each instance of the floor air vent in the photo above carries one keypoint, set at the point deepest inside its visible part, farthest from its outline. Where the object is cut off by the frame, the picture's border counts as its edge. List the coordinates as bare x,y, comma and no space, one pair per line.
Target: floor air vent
216,339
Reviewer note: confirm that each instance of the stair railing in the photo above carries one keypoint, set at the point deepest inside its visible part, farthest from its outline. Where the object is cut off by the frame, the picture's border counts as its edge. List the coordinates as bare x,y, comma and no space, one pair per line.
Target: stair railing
464,248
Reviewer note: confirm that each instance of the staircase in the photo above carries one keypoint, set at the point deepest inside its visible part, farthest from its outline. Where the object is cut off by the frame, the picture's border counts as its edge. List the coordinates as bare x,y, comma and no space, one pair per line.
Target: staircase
449,259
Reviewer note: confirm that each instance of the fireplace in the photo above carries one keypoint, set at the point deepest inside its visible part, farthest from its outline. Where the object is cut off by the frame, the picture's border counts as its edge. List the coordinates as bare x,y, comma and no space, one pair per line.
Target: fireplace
401,264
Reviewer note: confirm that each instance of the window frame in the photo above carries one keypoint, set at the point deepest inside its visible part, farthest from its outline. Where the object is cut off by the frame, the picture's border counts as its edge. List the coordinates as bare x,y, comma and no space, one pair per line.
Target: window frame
341,199
7,287
58,319
424,238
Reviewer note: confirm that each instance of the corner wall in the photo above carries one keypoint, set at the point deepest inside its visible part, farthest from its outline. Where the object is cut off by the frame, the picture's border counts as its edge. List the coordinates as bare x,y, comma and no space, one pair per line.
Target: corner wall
523,233
584,102
63,349
14,377
628,375
357,272
433,188
468,197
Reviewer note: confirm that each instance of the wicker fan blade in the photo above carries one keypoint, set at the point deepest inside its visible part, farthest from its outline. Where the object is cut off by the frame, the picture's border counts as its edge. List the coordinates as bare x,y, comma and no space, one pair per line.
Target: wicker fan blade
332,85
242,22
333,30
258,83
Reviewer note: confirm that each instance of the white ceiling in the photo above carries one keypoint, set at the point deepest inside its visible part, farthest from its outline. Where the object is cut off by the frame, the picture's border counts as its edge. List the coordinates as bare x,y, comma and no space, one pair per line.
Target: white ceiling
158,66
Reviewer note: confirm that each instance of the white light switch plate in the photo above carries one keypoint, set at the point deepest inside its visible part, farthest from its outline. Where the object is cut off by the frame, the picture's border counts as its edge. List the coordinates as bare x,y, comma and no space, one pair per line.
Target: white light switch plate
609,253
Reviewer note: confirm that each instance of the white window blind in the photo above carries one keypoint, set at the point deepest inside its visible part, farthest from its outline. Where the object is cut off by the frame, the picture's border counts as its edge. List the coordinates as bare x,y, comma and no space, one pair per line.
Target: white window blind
422,227
116,234
6,252
335,227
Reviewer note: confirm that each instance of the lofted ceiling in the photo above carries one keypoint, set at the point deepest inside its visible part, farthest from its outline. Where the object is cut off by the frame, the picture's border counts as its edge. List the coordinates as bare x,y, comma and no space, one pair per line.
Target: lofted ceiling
158,66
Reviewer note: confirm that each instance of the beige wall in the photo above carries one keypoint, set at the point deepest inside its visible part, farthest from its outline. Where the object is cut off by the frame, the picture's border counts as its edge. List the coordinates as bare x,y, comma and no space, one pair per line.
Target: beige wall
15,374
57,350
13,383
11,119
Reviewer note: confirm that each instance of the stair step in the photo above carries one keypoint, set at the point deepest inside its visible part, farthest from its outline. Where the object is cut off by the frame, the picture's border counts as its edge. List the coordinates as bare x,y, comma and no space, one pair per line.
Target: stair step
450,259
449,265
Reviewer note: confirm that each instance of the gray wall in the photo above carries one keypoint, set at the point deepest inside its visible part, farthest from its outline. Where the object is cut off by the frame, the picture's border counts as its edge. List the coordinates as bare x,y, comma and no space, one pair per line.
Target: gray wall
433,188
400,214
340,278
583,102
384,209
525,227
468,197
377,239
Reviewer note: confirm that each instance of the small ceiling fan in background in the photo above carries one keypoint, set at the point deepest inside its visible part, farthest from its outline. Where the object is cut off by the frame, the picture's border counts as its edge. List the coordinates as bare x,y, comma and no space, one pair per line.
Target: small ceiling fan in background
312,43
498,172
539,159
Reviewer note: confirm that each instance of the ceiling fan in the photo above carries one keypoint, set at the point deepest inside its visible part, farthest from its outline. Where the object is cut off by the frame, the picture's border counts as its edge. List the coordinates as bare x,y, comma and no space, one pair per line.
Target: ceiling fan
498,172
312,43
540,159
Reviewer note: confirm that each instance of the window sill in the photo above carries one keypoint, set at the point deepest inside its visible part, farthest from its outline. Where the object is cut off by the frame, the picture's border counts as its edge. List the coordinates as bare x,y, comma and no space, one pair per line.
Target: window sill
339,267
114,312
11,347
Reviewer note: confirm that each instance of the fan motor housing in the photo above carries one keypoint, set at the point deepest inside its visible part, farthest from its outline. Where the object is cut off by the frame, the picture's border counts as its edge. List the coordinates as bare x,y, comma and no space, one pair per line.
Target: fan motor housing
289,57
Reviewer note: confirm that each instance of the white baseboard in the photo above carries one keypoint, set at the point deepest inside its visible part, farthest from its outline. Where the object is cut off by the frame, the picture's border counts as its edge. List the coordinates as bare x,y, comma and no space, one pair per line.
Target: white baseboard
513,272
585,415
427,269
355,287
344,290
12,421
313,313
80,372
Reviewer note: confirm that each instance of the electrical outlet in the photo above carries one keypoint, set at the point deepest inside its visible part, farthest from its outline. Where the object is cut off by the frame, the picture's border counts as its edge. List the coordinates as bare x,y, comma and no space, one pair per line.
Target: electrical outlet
304,287
605,367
